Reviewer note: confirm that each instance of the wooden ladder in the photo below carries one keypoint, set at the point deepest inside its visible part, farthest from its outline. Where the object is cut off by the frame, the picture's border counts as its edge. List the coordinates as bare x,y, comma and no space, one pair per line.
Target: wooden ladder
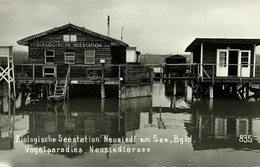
61,88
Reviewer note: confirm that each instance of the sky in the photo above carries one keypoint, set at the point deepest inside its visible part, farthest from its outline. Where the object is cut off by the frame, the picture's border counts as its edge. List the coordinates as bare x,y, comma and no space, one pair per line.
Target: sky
153,26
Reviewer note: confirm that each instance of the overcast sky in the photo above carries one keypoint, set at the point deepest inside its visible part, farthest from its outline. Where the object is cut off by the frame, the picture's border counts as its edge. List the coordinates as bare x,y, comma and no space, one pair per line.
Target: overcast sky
154,26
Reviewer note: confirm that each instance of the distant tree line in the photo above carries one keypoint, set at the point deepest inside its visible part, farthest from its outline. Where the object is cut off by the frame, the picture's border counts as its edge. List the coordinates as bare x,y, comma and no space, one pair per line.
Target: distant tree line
157,58
20,57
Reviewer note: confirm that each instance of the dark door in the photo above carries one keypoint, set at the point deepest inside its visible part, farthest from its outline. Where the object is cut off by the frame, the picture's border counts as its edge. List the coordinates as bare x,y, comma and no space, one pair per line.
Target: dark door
233,63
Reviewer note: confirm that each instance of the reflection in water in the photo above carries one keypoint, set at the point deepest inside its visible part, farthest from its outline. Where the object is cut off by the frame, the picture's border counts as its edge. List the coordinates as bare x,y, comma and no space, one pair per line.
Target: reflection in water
228,125
117,119
214,125
7,119
160,121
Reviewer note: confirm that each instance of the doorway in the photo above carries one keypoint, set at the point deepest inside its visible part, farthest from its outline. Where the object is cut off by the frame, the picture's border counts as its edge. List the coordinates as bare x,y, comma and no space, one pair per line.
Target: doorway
233,63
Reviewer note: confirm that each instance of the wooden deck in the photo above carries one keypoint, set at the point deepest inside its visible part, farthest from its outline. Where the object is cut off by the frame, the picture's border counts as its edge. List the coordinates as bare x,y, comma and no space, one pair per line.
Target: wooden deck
215,80
52,80
80,74
208,74
115,81
176,78
192,73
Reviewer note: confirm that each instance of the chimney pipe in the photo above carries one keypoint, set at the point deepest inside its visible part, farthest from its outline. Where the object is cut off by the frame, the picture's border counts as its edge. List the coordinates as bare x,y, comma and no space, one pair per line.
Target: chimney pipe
108,25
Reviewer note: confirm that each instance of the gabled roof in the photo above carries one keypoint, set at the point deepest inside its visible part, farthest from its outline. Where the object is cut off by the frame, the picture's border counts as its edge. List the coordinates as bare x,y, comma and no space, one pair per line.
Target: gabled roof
198,41
25,41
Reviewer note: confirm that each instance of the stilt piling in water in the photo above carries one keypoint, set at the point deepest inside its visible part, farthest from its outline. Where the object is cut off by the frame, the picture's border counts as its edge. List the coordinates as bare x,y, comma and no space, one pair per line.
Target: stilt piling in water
174,88
211,92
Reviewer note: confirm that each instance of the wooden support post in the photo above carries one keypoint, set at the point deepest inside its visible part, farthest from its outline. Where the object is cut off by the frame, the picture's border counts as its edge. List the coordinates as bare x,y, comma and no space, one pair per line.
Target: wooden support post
197,118
33,72
202,72
55,71
210,104
201,60
254,67
189,93
152,75
102,83
40,91
211,92
212,123
150,116
213,74
119,92
102,111
102,91
240,73
119,115
68,92
173,102
160,74
174,88
9,90
119,82
198,73
185,84
192,84
247,90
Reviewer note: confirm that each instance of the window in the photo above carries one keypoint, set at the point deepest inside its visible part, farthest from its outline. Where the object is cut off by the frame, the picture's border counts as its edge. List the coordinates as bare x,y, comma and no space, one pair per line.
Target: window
49,71
49,56
73,38
66,38
222,59
69,38
244,59
89,56
69,58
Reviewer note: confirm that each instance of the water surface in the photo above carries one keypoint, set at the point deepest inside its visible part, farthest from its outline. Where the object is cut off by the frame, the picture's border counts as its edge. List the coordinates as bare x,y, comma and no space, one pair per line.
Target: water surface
214,127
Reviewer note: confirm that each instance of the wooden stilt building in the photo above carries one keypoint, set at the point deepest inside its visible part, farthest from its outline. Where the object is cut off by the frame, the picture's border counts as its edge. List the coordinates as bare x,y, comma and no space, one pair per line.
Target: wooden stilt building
225,63
71,55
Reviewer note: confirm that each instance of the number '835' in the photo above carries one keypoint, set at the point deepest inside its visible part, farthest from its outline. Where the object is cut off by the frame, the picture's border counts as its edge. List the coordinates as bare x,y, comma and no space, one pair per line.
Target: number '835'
245,139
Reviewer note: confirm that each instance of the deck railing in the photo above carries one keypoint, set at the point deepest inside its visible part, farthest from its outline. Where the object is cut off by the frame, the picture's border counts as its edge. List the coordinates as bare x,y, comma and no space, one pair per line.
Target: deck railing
130,72
99,72
34,71
210,71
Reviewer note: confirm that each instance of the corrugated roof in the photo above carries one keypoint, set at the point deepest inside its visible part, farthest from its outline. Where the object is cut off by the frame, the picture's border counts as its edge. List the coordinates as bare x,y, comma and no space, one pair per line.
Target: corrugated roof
25,41
198,41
